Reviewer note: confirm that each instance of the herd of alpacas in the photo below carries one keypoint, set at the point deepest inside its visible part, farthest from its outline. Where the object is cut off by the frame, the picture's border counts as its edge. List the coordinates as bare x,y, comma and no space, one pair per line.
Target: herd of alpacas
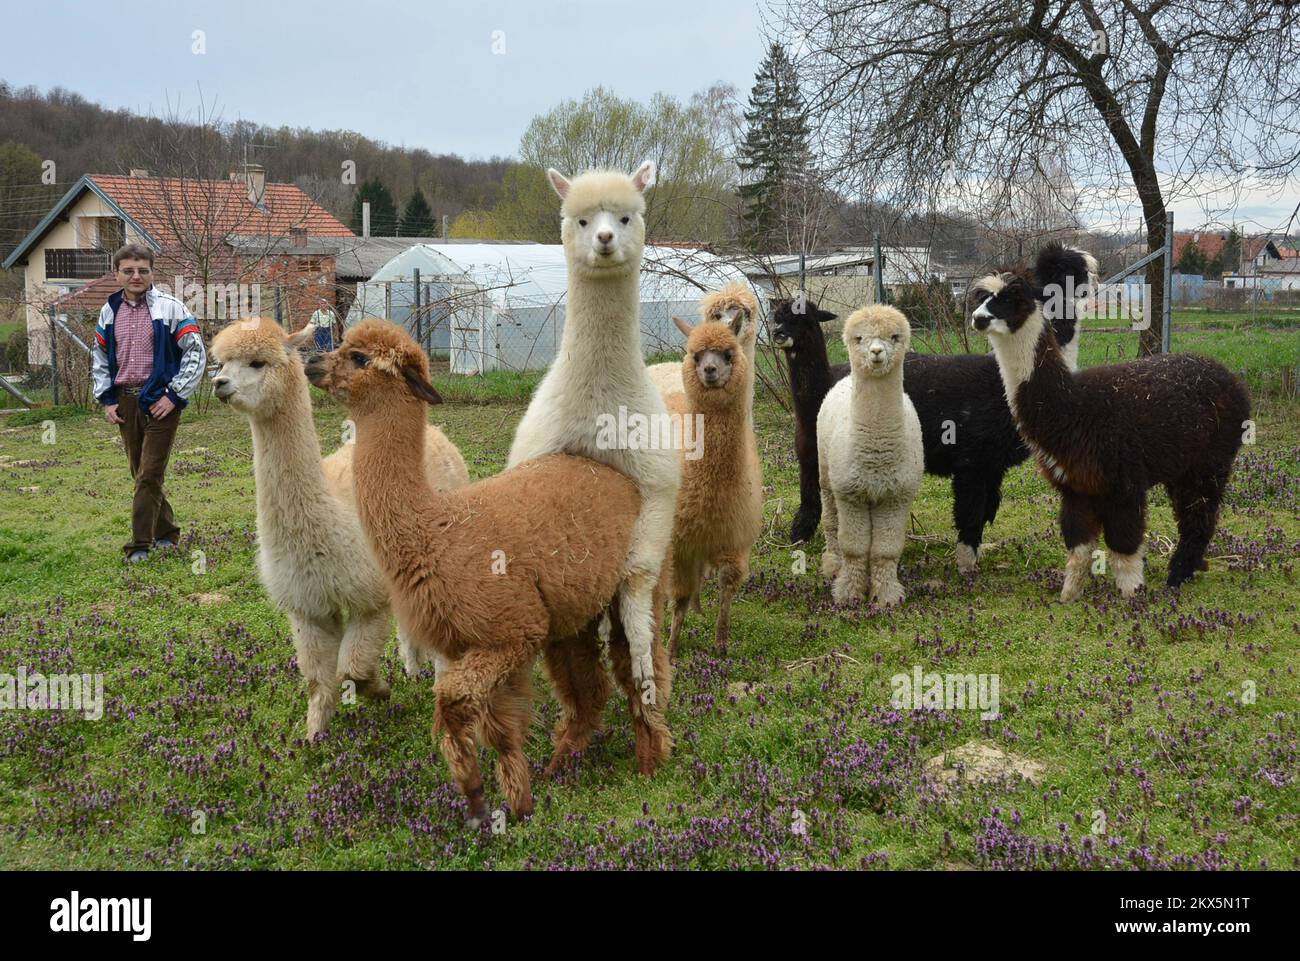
574,551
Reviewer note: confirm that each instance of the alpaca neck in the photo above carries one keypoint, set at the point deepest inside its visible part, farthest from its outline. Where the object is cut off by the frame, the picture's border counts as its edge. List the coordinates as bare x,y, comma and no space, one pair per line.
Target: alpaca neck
602,322
810,376
878,399
722,426
291,488
1035,376
393,493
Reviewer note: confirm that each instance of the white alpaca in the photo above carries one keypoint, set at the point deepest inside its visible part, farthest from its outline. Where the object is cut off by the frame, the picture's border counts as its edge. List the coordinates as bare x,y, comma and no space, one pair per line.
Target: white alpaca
312,557
600,374
871,458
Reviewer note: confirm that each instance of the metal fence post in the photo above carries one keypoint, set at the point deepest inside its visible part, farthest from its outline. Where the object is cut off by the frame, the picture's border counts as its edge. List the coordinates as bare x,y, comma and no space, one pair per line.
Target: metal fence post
419,321
54,361
1167,313
878,271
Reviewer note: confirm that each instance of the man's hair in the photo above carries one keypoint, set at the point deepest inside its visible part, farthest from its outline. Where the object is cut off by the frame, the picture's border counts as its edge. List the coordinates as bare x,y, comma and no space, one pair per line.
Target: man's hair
132,252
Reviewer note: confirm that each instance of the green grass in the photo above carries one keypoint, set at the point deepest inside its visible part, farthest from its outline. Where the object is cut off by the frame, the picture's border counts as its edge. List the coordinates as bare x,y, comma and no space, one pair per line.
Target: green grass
1134,710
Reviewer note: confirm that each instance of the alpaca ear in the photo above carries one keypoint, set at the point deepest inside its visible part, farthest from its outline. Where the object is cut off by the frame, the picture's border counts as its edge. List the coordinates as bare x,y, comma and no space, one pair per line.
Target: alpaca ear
684,327
420,387
302,340
644,178
558,182
825,316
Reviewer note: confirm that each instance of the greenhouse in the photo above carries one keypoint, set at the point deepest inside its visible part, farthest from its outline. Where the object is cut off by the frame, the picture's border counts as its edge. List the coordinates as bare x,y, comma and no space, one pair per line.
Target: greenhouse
500,306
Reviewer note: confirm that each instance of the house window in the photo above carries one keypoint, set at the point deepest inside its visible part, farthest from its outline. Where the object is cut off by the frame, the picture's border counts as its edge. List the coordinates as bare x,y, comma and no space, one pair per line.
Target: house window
112,234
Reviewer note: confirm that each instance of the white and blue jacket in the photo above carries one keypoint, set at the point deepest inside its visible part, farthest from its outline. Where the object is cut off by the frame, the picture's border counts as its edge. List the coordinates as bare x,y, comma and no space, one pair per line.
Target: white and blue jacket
178,352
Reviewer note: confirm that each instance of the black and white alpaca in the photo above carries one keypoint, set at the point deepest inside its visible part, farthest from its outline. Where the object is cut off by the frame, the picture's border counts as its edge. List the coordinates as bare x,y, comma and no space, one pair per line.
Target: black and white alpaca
1106,435
966,427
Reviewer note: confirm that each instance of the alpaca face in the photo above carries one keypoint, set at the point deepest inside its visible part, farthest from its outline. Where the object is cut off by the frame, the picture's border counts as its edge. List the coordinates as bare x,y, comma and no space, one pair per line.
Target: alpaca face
258,366
1002,303
877,338
793,331
377,366
603,219
715,369
735,306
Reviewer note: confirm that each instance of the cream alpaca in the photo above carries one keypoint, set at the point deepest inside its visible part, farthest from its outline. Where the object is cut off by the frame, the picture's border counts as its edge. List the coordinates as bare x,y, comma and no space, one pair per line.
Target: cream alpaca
491,575
720,504
734,305
312,558
871,459
600,369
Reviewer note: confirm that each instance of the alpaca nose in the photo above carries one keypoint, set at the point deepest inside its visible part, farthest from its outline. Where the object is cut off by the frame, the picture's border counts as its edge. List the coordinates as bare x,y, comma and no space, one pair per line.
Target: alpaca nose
221,387
606,237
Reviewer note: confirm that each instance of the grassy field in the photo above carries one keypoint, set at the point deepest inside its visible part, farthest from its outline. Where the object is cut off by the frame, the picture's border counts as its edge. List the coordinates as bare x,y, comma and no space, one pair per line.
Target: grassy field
1162,732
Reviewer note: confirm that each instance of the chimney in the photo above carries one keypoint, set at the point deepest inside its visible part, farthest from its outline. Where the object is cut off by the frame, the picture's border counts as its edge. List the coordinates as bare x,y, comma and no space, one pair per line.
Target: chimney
254,177
298,236
139,172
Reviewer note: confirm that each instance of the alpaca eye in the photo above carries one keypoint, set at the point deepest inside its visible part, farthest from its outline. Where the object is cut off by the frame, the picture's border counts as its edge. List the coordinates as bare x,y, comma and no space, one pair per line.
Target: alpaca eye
727,357
257,364
625,220
582,223
895,338
857,340
361,360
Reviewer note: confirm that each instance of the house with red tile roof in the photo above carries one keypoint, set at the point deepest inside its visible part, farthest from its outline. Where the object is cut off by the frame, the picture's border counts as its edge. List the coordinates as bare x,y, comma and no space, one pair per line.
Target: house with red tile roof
1255,251
213,240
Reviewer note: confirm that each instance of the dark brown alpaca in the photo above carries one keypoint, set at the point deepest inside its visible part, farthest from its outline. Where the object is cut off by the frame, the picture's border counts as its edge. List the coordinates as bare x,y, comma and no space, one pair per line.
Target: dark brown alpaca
491,575
1104,436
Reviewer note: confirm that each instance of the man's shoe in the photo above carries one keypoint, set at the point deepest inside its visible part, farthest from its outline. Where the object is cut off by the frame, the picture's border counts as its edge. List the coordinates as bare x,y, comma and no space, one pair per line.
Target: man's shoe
136,556
164,543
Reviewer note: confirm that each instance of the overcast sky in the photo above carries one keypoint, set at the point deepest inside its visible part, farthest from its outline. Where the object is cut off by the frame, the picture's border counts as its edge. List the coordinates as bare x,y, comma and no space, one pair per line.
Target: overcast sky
420,74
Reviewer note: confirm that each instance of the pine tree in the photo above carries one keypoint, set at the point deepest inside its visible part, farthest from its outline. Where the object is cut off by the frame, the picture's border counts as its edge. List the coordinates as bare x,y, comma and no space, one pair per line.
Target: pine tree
1191,261
1231,255
383,209
774,158
417,218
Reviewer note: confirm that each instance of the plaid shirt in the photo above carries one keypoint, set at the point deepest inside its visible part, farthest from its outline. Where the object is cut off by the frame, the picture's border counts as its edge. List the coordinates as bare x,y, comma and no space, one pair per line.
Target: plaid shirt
134,343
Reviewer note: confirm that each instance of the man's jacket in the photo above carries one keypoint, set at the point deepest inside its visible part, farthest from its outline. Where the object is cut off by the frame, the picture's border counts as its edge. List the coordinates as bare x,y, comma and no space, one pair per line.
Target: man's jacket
178,353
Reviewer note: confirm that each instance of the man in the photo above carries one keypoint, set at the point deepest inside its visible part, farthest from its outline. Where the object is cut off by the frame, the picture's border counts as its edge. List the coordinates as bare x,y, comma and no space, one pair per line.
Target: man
148,360
323,322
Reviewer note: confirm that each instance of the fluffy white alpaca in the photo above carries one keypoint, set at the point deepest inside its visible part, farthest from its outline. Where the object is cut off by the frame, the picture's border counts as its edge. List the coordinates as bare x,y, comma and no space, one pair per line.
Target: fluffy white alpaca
312,557
600,374
734,305
871,458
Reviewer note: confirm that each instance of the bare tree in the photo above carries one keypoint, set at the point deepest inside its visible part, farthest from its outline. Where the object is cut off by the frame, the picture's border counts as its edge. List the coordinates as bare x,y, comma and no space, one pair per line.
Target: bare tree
1140,101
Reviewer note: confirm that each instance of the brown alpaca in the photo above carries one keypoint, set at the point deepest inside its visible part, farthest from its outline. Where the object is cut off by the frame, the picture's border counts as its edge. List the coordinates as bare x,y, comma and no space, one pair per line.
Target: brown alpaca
491,575
719,511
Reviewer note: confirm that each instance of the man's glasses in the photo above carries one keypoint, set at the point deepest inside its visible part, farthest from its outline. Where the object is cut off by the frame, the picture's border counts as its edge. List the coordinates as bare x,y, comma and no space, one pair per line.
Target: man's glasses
135,271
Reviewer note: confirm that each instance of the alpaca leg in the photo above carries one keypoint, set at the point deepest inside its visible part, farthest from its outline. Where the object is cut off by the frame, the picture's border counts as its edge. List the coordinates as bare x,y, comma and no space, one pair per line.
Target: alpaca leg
465,691
970,513
810,500
648,564
1196,507
582,687
854,547
733,570
1080,525
364,641
316,641
654,742
413,655
888,537
680,607
505,729
1124,523
685,591
831,556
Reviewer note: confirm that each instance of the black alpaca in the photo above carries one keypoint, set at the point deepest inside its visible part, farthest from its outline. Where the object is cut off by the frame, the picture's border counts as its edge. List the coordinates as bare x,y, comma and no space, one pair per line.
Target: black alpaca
1106,435
965,423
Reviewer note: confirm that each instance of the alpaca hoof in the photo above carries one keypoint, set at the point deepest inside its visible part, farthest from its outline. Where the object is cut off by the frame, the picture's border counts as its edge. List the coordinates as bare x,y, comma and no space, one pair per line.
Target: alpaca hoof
1071,591
888,597
523,810
967,559
802,529
478,811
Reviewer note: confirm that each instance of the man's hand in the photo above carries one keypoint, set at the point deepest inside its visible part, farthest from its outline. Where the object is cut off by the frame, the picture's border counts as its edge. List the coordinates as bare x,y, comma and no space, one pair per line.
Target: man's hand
111,415
162,407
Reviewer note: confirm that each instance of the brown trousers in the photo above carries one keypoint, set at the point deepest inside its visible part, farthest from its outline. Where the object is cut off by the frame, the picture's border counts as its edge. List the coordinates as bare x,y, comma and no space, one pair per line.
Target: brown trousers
148,443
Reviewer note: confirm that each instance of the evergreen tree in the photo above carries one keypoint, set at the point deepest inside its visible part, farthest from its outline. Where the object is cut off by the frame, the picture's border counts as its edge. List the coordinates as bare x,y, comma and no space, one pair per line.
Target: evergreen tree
383,209
1231,255
774,157
1191,260
417,218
